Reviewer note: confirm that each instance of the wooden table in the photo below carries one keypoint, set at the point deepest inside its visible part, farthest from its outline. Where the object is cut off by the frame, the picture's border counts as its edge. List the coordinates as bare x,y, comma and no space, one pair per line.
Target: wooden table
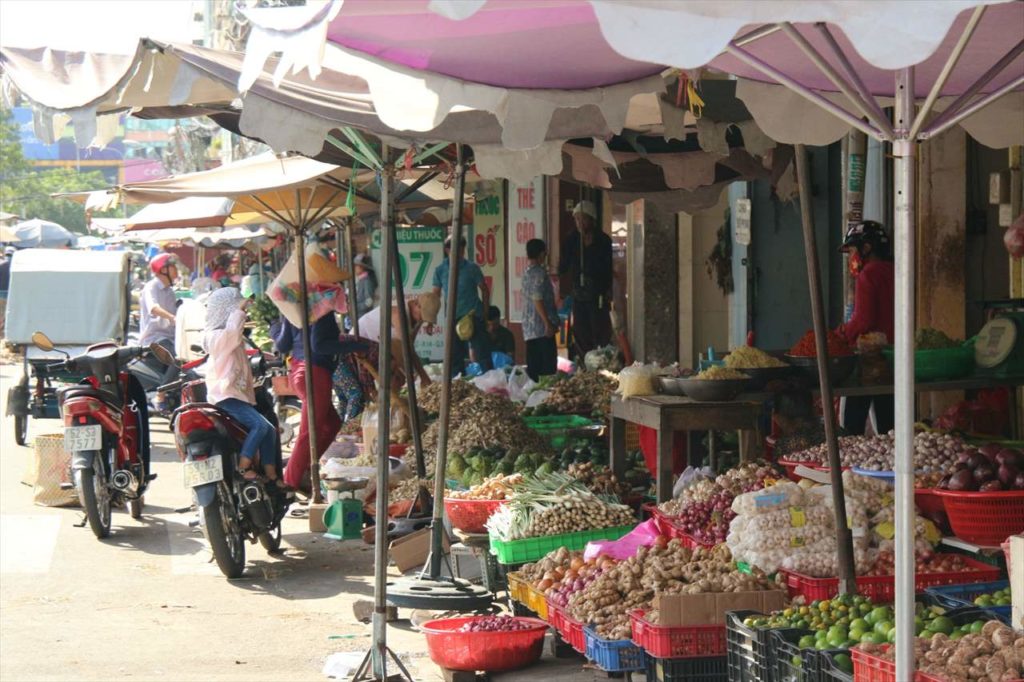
668,414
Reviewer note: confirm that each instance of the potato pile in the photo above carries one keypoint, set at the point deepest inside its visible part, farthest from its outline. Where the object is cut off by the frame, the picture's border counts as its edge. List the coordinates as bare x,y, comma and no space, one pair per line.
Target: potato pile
996,654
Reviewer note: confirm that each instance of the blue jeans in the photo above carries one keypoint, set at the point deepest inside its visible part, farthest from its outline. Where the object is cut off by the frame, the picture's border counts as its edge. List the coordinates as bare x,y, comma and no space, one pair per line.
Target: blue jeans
261,437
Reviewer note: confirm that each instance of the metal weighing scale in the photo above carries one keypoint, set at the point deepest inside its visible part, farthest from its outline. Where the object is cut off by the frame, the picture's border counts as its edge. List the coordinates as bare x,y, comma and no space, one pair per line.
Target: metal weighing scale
344,518
999,346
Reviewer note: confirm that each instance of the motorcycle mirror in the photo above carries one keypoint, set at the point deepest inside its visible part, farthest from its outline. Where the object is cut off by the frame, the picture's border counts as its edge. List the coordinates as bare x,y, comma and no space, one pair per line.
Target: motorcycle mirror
162,354
196,348
42,341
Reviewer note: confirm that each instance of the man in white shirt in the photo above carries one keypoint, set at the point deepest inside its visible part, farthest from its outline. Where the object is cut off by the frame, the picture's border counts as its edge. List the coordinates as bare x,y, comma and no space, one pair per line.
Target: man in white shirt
158,306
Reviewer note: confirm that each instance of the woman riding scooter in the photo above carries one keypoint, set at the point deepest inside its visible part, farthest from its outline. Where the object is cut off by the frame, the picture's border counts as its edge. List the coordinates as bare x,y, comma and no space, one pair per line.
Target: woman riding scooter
229,382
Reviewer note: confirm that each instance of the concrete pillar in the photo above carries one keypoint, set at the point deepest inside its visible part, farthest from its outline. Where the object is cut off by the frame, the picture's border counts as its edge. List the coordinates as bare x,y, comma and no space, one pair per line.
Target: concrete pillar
941,246
703,307
658,295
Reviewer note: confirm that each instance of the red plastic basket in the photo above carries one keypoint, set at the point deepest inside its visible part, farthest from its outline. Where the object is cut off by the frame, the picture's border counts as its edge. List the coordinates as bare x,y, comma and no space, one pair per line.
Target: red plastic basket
928,501
984,518
870,668
470,515
662,641
882,588
569,628
669,527
790,468
488,651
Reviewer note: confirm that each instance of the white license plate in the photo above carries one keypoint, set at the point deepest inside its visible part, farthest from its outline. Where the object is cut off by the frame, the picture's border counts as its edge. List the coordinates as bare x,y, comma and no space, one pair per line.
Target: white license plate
83,438
209,470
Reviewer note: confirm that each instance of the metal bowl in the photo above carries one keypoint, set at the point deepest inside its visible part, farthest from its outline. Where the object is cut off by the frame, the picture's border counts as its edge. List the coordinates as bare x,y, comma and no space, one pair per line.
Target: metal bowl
670,386
346,484
762,376
711,390
840,367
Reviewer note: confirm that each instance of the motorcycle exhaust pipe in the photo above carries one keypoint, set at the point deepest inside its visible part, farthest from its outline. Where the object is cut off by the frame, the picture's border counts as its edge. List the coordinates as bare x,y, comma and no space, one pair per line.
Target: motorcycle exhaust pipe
257,506
123,481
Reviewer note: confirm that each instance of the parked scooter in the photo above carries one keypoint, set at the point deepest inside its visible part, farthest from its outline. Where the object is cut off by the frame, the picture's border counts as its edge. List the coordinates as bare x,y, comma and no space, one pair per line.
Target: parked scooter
231,509
106,428
150,373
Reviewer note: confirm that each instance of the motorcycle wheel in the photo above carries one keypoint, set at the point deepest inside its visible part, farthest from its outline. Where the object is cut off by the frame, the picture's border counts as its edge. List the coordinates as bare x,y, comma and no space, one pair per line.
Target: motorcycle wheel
225,538
92,484
135,507
271,539
21,429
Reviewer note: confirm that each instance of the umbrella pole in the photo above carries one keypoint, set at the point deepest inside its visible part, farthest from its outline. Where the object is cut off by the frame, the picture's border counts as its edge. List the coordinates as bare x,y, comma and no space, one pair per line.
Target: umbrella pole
436,527
307,351
259,265
407,351
844,538
379,649
353,301
904,166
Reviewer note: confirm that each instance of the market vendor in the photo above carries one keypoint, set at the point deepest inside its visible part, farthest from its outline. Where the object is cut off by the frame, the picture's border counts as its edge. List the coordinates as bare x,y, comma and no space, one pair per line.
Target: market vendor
587,258
501,339
869,248
421,311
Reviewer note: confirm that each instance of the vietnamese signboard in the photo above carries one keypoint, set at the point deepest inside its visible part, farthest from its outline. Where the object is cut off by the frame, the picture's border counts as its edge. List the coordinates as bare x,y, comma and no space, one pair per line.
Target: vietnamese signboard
420,251
525,222
488,239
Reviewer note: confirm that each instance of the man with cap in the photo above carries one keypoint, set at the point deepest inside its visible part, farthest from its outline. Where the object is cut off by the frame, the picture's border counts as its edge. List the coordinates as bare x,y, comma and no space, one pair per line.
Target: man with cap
587,258
873,311
469,307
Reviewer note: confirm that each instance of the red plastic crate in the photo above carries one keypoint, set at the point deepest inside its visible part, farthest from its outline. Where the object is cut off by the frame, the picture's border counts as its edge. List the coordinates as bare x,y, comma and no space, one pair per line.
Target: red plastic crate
790,468
670,528
928,502
568,627
662,641
882,588
870,668
984,518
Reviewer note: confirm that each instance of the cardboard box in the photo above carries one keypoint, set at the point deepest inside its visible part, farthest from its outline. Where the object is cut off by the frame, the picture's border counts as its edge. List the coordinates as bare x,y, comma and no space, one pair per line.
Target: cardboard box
710,609
412,550
316,518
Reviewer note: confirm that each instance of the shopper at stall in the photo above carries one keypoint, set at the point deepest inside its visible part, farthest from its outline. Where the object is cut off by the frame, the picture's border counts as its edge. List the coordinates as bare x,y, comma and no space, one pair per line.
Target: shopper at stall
222,270
873,311
469,307
158,308
540,315
587,259
229,382
500,338
326,346
366,282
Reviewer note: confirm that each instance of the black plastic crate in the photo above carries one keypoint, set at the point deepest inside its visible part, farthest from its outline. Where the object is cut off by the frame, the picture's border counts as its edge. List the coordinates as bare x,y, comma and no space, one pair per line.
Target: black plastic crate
830,671
706,669
747,649
790,663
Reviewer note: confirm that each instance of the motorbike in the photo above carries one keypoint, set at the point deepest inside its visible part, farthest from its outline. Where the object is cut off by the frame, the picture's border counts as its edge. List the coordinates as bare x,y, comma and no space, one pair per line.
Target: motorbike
150,372
106,428
231,508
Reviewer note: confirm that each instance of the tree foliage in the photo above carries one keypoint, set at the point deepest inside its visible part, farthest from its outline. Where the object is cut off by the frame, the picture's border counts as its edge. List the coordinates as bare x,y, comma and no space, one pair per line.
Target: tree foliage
27,191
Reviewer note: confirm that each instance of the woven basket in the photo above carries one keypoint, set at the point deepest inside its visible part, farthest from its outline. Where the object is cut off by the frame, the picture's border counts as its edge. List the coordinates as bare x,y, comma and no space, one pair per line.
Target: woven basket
52,470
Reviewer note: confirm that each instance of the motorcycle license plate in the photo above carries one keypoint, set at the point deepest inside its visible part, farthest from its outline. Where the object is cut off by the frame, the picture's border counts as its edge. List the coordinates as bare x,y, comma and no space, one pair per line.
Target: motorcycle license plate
200,472
83,437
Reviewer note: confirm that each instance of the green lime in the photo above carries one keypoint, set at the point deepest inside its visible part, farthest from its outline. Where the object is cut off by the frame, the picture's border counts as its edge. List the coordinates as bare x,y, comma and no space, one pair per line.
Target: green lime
806,641
941,624
891,636
859,624
872,638
955,636
856,633
796,661
882,627
844,663
977,626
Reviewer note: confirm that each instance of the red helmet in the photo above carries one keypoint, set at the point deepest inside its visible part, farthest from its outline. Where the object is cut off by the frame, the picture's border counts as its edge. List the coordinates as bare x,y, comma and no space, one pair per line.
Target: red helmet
161,263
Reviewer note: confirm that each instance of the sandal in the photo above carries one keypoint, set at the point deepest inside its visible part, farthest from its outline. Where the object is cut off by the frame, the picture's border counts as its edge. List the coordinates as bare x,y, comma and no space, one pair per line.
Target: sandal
247,473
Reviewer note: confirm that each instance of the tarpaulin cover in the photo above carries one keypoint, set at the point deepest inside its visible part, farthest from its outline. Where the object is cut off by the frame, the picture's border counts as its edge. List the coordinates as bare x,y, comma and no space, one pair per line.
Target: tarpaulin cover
74,297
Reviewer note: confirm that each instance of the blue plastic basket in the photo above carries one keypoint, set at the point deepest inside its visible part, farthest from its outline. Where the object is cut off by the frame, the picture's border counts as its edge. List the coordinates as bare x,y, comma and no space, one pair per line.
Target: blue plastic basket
887,475
613,656
958,596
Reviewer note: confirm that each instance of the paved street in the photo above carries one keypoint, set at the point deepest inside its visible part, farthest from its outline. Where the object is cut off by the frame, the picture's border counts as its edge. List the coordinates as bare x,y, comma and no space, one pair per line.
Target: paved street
148,603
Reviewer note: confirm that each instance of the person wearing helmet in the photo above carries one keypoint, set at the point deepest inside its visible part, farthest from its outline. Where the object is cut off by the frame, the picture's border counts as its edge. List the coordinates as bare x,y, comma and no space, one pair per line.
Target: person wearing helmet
873,311
158,306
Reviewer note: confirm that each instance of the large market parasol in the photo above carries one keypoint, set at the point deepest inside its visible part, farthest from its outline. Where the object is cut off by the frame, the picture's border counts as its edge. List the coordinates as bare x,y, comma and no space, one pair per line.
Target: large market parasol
38,233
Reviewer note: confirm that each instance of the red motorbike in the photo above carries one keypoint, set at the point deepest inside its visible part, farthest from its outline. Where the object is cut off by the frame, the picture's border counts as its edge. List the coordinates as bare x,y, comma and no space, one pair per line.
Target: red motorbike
106,428
231,508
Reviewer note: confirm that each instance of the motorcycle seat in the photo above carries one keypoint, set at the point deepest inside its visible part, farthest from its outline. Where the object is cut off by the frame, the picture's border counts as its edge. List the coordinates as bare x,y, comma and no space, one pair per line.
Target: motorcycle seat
82,390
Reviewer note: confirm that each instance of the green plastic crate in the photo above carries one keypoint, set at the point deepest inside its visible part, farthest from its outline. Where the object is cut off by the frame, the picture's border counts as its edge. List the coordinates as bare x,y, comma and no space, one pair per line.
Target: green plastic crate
940,364
532,549
559,428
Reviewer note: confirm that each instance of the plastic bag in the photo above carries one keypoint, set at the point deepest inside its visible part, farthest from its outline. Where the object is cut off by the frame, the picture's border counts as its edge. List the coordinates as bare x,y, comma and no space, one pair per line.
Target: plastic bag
643,535
322,297
492,382
637,380
520,385
501,360
690,476
537,398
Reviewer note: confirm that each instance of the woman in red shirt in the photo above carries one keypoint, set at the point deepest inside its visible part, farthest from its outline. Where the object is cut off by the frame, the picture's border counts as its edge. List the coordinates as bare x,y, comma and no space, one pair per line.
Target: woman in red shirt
873,311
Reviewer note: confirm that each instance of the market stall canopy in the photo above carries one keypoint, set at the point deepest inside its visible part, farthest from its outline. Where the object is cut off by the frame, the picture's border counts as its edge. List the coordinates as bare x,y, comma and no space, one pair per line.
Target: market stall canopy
235,238
736,37
399,104
40,233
